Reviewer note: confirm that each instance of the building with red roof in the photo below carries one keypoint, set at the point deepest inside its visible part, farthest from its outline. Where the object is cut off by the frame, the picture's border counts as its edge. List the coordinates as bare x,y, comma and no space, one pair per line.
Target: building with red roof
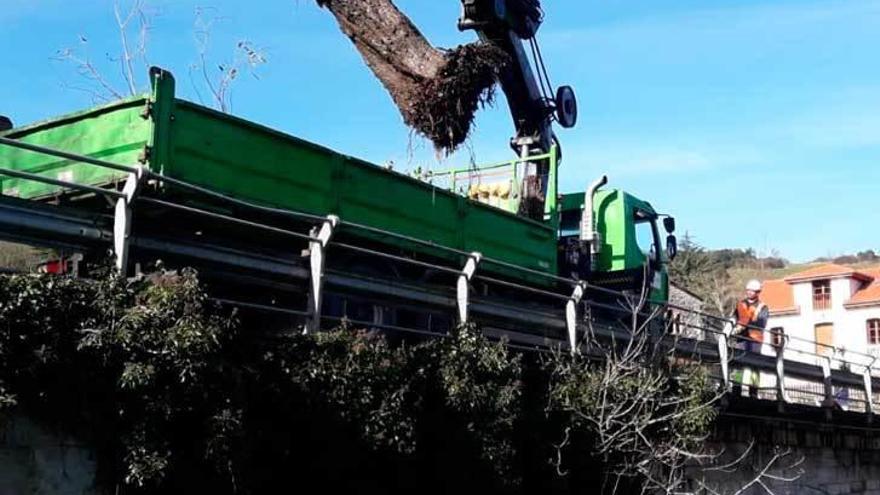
833,305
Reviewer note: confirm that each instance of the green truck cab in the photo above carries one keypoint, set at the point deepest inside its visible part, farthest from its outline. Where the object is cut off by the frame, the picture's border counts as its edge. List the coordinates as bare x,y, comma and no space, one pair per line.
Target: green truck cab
623,250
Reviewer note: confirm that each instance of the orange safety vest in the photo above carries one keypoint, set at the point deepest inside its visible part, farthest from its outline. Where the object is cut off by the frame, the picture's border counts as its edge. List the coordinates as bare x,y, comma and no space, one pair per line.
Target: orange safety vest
747,314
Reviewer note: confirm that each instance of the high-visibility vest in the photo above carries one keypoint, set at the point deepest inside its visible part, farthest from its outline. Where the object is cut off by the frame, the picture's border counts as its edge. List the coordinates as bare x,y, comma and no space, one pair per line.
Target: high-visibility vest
747,314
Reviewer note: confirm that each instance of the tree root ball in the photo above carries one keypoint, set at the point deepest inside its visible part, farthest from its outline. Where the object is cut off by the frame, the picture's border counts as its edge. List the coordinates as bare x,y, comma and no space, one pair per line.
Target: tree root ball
443,107
437,91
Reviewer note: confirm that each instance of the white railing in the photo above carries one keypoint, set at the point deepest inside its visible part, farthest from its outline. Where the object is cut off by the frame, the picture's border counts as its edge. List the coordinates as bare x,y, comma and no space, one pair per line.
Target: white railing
790,372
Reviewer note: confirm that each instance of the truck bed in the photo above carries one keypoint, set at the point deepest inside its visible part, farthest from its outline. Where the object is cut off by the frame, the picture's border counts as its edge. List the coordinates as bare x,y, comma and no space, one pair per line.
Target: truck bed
186,141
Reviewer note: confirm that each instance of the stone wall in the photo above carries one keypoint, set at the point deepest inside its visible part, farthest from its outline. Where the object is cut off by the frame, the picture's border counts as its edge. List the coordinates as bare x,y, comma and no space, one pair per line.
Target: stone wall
827,460
815,460
35,460
823,470
687,323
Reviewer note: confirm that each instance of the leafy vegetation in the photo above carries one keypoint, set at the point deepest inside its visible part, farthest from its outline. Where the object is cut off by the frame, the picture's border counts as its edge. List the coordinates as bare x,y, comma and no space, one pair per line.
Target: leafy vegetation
177,394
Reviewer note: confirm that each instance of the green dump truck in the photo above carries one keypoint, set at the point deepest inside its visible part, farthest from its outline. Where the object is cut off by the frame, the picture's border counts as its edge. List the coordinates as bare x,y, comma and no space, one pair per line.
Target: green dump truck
177,139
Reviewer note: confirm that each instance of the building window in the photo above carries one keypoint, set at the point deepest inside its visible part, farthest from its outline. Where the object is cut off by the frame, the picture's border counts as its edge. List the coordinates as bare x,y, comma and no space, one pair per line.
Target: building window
777,334
822,294
874,331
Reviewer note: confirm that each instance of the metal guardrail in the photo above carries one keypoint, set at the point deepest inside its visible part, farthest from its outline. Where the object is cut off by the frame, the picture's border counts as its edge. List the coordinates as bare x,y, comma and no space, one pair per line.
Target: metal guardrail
833,378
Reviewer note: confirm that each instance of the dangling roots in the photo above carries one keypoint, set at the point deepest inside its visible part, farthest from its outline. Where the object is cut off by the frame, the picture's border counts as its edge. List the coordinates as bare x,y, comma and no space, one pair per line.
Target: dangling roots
443,108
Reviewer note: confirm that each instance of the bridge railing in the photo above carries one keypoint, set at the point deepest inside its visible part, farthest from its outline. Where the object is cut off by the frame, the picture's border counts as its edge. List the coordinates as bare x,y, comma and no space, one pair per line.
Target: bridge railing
790,369
795,370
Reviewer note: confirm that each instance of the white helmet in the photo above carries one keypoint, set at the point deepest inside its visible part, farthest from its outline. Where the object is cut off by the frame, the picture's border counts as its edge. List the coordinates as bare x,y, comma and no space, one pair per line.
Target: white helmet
754,285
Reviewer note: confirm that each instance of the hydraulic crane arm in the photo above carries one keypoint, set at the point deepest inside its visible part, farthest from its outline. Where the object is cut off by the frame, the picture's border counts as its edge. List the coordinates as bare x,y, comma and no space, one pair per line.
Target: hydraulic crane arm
509,25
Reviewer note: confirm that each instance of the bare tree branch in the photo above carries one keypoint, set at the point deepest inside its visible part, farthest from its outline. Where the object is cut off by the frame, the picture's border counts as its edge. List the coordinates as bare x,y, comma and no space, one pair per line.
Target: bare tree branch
87,70
645,409
127,54
246,57
132,59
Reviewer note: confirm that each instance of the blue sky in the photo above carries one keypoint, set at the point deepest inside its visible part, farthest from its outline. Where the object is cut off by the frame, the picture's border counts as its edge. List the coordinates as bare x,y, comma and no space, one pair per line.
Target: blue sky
757,124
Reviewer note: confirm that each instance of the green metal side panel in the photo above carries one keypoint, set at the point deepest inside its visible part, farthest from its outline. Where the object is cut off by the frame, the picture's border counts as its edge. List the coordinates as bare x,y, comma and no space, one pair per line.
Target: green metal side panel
117,132
258,164
614,211
255,163
614,222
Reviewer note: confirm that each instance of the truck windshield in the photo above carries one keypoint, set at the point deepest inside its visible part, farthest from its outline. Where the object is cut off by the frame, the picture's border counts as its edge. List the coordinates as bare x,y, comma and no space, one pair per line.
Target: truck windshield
646,235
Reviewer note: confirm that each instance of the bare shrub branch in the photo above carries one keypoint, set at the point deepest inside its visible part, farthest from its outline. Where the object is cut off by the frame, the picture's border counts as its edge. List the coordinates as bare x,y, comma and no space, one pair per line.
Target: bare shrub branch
247,57
99,86
136,12
645,412
134,22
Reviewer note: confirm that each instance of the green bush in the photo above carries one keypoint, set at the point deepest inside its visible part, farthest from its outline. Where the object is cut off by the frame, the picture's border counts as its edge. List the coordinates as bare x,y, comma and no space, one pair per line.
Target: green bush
178,394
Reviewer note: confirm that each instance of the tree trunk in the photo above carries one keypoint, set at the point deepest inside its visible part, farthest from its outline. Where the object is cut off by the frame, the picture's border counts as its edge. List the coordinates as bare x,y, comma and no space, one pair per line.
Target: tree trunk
437,91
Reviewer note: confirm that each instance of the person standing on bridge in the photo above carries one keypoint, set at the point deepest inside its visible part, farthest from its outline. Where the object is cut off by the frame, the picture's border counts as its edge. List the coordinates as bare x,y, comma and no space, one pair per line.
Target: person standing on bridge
751,317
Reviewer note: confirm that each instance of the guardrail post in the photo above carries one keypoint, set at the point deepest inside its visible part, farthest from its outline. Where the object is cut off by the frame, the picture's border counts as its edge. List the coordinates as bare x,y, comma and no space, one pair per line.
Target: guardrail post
723,346
571,315
780,370
122,218
869,389
828,401
317,248
464,279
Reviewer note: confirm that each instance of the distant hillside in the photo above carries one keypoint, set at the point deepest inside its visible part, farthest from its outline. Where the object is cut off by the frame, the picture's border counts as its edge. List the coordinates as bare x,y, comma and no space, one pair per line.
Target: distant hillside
19,257
761,270
866,257
718,276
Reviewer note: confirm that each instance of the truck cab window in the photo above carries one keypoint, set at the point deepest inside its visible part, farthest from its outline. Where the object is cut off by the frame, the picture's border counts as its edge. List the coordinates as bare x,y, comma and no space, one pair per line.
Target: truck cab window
646,235
570,223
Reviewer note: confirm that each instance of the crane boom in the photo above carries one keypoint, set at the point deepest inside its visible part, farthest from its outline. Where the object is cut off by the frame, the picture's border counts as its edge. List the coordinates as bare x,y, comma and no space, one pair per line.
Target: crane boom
508,25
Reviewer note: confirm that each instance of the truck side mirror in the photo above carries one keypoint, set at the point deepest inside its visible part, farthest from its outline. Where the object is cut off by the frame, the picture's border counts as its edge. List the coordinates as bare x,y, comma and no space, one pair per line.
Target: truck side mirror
669,224
671,247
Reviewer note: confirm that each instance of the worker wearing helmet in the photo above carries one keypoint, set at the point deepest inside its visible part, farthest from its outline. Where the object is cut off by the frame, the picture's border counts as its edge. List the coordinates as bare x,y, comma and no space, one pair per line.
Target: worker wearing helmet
751,317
